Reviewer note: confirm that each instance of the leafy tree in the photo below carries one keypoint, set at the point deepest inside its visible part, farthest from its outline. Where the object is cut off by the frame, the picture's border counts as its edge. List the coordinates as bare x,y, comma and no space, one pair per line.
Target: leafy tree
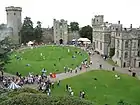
74,26
112,52
27,30
38,32
86,32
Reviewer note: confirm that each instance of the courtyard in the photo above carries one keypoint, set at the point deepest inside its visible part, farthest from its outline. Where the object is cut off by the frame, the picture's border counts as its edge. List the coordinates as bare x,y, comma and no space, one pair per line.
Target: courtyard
52,58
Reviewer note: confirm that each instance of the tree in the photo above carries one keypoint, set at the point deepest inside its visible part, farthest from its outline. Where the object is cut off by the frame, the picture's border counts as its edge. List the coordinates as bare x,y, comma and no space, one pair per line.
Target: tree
38,32
27,30
74,26
112,52
86,32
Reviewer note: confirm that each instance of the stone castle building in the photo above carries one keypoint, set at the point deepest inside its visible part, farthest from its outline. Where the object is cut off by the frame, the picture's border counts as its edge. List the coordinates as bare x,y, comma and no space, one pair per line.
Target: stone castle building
125,41
13,26
48,35
60,31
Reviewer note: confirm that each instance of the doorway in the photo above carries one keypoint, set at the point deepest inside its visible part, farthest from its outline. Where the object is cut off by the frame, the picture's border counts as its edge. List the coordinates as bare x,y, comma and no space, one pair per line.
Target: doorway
124,64
61,41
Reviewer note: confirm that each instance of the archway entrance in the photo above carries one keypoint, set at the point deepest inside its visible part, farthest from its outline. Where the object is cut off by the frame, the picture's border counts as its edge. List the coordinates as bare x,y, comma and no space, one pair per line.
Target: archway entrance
61,41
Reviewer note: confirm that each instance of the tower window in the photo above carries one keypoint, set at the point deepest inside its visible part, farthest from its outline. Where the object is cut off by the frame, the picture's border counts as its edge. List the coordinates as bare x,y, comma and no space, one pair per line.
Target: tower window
14,13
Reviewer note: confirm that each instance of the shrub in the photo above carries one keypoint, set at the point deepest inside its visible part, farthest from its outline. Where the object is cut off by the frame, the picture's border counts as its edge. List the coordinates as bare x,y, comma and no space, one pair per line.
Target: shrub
42,99
5,94
112,52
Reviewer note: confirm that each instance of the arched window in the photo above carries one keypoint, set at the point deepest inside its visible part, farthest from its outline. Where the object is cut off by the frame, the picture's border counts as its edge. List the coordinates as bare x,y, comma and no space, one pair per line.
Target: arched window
126,55
126,44
117,54
138,53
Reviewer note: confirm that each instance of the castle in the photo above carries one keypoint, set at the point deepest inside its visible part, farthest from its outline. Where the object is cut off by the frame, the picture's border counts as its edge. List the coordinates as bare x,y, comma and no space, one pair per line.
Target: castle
106,36
57,34
13,26
125,41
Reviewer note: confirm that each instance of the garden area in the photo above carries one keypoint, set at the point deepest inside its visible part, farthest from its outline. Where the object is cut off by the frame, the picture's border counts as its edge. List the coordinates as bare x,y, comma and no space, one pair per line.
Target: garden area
52,58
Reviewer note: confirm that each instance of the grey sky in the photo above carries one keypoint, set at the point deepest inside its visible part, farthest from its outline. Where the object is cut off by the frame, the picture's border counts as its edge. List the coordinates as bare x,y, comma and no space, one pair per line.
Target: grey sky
127,11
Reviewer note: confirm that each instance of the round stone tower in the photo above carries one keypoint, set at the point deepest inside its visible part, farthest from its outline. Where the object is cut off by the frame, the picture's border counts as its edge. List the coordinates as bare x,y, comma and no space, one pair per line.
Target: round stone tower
14,21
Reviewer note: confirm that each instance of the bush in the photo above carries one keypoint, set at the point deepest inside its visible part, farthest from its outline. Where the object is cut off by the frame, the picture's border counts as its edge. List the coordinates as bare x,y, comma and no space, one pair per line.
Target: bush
42,99
6,94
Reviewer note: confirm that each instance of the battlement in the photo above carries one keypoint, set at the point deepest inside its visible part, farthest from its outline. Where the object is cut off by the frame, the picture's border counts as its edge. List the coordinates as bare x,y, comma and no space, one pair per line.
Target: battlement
60,21
99,15
12,8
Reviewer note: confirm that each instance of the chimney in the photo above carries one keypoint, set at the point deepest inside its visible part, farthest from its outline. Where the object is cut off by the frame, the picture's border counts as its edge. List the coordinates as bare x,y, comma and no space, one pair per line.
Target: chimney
131,26
118,22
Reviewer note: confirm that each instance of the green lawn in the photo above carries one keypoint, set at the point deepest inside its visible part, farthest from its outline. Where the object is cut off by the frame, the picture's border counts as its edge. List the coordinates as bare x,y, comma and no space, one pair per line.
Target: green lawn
108,89
37,63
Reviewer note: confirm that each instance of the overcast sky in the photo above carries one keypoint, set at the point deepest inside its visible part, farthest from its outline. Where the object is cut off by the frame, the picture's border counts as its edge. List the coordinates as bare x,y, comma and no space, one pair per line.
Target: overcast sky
82,11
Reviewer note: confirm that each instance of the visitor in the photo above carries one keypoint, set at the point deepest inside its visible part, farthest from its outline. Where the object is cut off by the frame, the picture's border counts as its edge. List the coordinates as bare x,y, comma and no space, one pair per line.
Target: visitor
70,70
65,69
90,62
133,74
67,87
58,82
72,93
80,95
83,94
76,70
129,69
52,84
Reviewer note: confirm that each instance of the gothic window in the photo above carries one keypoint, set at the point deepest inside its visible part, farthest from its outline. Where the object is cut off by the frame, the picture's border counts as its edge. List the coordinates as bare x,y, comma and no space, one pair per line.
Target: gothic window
117,54
134,45
139,43
126,55
126,44
118,43
138,53
100,45
97,44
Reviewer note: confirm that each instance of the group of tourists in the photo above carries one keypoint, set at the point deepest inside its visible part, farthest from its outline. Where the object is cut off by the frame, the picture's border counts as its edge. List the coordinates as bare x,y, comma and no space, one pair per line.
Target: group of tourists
71,92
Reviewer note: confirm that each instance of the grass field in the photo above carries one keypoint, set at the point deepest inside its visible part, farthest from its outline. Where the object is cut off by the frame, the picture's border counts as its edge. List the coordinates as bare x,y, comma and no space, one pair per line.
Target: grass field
49,60
108,89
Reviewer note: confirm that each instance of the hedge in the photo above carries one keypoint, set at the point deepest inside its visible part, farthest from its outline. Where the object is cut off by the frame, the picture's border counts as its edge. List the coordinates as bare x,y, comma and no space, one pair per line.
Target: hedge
5,94
43,99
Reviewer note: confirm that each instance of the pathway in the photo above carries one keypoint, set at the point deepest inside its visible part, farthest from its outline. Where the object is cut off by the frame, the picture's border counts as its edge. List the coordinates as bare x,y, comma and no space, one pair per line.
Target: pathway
97,60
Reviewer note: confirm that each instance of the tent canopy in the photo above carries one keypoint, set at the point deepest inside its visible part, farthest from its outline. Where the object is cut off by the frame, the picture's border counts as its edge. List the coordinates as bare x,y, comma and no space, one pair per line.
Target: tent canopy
84,40
13,86
30,42
73,40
